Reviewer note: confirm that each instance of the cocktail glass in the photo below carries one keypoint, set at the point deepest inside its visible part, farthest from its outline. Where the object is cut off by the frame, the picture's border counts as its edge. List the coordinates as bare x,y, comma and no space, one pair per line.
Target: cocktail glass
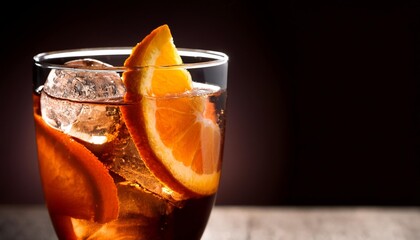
103,179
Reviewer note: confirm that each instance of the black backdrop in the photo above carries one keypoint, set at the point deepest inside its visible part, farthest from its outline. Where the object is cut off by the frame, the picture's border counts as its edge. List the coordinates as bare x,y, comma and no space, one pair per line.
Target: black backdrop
323,102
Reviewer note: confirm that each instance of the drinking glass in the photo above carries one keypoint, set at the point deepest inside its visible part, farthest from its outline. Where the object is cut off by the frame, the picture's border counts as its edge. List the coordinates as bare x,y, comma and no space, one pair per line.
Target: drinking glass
113,168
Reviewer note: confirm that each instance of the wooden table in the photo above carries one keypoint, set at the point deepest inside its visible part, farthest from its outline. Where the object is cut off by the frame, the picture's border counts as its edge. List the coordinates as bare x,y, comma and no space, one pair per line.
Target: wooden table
256,223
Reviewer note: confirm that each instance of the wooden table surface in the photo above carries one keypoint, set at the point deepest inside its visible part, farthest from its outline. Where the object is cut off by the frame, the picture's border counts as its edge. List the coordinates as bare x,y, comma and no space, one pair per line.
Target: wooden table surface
256,223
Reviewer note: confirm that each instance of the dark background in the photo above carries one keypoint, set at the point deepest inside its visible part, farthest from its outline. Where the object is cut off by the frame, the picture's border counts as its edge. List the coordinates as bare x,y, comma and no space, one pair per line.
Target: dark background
323,102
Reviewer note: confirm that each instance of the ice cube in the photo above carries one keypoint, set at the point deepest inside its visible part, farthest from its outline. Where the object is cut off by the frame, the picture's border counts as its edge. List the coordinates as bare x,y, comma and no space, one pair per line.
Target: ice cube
93,123
141,216
121,157
80,84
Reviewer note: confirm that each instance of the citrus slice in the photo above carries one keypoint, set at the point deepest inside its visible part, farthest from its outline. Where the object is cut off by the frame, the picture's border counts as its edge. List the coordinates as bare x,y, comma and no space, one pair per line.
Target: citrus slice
177,137
75,182
156,49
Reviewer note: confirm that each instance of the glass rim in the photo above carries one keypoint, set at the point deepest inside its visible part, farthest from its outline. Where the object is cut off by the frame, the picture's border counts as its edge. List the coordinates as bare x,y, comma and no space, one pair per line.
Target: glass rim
216,58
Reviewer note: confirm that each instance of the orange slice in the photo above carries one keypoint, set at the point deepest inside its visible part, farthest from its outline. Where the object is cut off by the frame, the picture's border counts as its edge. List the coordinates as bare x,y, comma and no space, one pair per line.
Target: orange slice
156,49
75,182
177,137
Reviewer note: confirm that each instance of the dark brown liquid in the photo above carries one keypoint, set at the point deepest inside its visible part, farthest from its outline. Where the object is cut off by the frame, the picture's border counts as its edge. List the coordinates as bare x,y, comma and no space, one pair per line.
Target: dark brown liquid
142,214
186,223
190,221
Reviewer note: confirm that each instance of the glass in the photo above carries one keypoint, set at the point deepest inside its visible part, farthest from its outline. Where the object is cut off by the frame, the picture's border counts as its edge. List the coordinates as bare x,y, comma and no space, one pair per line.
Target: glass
96,183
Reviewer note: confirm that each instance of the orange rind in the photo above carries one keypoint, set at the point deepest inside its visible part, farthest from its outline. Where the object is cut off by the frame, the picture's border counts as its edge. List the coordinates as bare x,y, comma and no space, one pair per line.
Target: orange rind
176,134
76,184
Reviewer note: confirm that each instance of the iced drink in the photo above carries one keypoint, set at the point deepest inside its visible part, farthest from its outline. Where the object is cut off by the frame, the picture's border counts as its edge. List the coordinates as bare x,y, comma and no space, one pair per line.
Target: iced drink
117,162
